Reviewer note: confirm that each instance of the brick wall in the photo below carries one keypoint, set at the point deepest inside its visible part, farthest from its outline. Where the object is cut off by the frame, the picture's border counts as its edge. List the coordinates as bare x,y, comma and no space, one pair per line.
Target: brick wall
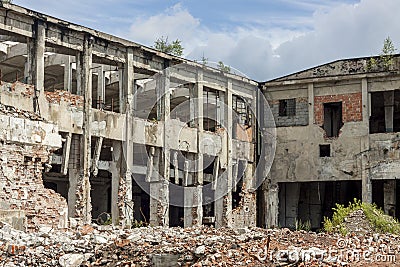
351,106
21,183
300,119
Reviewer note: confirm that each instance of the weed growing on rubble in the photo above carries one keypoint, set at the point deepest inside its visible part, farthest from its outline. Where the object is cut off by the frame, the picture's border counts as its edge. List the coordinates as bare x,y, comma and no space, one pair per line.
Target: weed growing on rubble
377,218
300,225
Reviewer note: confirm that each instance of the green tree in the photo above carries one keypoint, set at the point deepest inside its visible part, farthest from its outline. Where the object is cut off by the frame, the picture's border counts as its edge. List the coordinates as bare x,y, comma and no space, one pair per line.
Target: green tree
204,60
175,48
224,68
387,54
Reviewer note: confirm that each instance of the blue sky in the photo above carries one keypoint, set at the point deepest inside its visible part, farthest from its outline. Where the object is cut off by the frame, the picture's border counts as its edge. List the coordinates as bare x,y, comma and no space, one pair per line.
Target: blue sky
263,39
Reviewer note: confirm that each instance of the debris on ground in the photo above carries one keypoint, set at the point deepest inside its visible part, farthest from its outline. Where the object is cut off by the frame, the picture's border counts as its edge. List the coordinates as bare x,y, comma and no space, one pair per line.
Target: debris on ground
93,245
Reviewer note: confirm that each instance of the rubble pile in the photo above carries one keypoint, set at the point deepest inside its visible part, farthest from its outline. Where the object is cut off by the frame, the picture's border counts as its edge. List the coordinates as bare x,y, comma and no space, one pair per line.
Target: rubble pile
199,246
356,222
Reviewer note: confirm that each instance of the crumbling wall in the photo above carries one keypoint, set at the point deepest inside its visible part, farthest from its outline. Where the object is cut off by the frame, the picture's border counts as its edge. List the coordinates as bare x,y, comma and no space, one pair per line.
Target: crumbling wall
26,142
22,186
245,214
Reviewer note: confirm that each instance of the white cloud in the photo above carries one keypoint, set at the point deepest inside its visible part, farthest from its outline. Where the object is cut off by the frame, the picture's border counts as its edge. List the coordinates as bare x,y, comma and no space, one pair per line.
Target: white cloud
333,32
174,23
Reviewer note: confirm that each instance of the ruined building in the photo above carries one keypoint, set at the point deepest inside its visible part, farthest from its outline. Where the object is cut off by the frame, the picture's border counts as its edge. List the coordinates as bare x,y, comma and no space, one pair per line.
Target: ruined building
337,139
101,129
92,124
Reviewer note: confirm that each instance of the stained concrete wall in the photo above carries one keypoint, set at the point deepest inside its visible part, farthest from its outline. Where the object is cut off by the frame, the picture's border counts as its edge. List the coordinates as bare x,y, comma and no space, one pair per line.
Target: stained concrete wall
355,155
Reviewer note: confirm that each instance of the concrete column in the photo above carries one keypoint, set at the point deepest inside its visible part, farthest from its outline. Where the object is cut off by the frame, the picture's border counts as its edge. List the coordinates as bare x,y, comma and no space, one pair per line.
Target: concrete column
159,203
193,210
200,112
115,169
101,88
38,75
310,103
78,60
271,199
86,72
389,110
223,206
220,203
366,184
229,119
196,103
193,192
159,190
30,61
34,67
389,197
365,102
126,106
67,74
73,174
